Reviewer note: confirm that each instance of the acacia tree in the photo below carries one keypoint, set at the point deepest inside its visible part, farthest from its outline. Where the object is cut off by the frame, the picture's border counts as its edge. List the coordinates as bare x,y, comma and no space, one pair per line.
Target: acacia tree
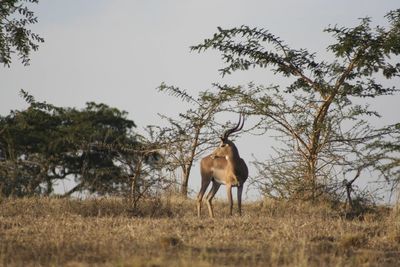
318,122
388,149
187,137
31,149
141,166
96,145
15,35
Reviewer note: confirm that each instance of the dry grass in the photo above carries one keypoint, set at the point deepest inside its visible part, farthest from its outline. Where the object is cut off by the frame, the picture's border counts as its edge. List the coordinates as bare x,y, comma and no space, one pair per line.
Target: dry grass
104,232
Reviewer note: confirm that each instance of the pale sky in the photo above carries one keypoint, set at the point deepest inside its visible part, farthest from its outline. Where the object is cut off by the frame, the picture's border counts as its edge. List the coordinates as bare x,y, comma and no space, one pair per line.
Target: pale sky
117,52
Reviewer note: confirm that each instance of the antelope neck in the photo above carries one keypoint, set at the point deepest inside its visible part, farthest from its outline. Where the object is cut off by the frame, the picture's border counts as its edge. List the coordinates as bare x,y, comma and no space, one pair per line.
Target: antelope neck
233,158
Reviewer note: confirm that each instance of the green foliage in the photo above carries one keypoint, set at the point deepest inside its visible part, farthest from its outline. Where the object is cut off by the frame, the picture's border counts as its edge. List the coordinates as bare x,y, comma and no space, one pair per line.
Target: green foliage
360,52
322,133
15,35
177,92
44,144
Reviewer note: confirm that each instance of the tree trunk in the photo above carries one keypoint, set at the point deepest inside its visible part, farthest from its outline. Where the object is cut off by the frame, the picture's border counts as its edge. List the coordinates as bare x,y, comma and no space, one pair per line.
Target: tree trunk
185,182
311,183
134,184
187,168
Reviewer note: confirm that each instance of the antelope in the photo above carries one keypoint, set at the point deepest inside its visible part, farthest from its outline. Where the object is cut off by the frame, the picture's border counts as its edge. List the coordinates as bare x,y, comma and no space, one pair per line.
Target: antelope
223,166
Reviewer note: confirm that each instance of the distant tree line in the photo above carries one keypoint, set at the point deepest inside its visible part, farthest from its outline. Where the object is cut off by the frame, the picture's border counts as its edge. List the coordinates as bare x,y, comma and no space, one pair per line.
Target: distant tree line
96,146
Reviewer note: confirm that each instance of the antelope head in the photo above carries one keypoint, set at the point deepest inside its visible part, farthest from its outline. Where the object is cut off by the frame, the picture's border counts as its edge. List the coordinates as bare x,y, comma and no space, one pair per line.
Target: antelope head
227,148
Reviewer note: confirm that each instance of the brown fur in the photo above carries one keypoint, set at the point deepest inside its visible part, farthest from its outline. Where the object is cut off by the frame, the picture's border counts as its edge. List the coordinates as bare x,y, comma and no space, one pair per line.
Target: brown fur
222,166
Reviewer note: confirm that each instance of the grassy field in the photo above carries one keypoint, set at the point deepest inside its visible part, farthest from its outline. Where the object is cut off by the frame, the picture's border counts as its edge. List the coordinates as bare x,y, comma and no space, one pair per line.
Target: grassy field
104,232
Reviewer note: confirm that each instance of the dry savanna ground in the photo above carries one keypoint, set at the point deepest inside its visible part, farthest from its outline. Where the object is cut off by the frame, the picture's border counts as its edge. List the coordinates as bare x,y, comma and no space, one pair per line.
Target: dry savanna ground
104,232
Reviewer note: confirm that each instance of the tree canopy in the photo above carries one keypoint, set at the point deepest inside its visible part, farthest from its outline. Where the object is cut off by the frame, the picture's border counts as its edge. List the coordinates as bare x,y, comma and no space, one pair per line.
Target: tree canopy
323,133
45,144
15,35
